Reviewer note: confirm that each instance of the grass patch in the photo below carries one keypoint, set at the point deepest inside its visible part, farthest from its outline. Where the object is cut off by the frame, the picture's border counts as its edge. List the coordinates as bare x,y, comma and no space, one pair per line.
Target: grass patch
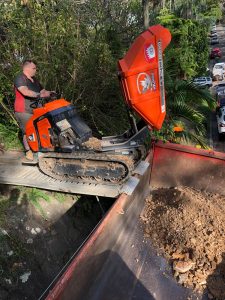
34,195
60,197
9,136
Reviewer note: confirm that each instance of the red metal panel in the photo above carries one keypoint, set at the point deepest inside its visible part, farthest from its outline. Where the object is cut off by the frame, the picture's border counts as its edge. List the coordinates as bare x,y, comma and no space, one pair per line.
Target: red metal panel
106,267
175,165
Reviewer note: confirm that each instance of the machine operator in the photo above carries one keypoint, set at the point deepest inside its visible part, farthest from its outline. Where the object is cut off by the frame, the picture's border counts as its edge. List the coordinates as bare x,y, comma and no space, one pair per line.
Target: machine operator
27,89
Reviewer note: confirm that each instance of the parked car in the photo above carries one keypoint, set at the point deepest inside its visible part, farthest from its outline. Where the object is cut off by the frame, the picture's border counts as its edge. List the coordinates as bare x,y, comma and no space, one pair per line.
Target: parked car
213,35
203,81
215,52
220,87
220,99
213,30
214,40
218,71
220,116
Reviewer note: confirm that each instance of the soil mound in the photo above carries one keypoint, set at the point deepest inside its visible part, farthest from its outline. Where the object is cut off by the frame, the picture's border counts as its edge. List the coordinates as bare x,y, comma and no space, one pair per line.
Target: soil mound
188,227
93,143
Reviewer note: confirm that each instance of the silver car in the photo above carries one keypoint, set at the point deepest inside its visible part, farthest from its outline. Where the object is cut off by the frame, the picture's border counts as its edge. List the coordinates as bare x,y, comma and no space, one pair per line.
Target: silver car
214,40
220,116
203,81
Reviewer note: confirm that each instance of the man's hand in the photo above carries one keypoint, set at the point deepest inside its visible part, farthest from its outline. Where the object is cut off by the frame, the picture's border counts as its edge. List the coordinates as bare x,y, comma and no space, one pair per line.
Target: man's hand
44,94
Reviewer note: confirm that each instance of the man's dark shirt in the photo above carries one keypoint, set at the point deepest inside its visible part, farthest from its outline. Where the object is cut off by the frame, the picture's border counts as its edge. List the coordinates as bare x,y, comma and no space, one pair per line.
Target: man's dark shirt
22,103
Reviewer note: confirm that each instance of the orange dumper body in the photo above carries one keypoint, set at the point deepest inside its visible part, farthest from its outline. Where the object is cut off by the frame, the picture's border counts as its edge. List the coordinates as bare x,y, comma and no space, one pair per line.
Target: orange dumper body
141,75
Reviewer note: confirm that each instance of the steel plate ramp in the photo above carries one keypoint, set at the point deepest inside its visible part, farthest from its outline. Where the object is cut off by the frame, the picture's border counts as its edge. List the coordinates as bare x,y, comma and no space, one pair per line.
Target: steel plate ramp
13,172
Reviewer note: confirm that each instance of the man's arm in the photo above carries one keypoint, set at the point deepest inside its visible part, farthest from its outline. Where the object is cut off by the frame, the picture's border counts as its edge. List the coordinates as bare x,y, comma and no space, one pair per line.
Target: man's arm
21,84
26,92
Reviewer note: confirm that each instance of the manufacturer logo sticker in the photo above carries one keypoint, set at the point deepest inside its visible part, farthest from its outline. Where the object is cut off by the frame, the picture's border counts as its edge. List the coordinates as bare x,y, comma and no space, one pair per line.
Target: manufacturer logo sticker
31,137
145,82
149,53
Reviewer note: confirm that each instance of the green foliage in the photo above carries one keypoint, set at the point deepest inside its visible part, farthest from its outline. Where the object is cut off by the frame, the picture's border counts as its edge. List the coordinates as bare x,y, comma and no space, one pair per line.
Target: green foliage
191,9
34,196
214,10
9,136
77,46
187,57
60,197
8,126
188,51
187,107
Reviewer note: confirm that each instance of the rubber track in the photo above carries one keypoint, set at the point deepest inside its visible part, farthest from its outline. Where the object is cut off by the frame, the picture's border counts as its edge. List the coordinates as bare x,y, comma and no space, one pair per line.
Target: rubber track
114,158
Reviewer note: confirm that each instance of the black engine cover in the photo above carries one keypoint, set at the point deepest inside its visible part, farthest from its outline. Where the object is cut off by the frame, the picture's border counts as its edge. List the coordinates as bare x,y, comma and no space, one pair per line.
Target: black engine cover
69,113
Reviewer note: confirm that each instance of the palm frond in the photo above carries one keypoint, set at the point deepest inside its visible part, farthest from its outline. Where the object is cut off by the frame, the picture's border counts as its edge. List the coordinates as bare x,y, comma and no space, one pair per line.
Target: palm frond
189,106
181,109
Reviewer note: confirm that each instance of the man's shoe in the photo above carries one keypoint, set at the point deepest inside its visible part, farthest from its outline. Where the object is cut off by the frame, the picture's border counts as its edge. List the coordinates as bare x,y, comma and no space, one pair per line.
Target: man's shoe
29,155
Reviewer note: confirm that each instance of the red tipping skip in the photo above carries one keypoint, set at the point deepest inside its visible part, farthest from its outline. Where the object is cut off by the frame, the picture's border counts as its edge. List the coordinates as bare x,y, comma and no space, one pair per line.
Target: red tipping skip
141,75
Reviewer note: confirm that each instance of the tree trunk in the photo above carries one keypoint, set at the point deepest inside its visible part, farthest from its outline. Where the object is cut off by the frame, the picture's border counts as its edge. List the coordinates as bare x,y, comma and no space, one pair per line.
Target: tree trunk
155,4
172,5
189,10
146,5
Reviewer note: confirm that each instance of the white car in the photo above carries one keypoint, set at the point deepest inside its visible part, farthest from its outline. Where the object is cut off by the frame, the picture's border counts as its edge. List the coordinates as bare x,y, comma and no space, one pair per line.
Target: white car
220,116
203,81
218,71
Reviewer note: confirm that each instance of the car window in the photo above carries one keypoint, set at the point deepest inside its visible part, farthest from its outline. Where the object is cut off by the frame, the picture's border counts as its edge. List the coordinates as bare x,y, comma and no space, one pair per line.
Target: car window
220,113
199,80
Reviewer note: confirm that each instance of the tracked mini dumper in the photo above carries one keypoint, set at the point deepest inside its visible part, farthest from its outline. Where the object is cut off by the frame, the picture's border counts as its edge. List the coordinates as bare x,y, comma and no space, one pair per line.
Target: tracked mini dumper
64,143
67,155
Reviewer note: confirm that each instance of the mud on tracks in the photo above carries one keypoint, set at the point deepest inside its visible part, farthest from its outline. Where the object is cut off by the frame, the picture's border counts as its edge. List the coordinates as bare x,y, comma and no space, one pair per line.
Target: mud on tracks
187,227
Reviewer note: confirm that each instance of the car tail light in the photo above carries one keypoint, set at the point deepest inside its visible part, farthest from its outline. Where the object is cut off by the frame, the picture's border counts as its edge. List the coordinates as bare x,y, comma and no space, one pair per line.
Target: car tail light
222,125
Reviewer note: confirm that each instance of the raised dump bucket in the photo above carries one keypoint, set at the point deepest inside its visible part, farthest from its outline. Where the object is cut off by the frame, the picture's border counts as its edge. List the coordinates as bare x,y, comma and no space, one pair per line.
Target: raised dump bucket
117,261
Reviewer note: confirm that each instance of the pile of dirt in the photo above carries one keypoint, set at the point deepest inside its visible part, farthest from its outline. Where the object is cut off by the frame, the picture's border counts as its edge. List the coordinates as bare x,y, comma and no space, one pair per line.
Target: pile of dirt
187,226
93,143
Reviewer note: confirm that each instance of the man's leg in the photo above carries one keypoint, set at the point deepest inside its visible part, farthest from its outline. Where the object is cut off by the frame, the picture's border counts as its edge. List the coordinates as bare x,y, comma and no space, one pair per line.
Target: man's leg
25,143
22,119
